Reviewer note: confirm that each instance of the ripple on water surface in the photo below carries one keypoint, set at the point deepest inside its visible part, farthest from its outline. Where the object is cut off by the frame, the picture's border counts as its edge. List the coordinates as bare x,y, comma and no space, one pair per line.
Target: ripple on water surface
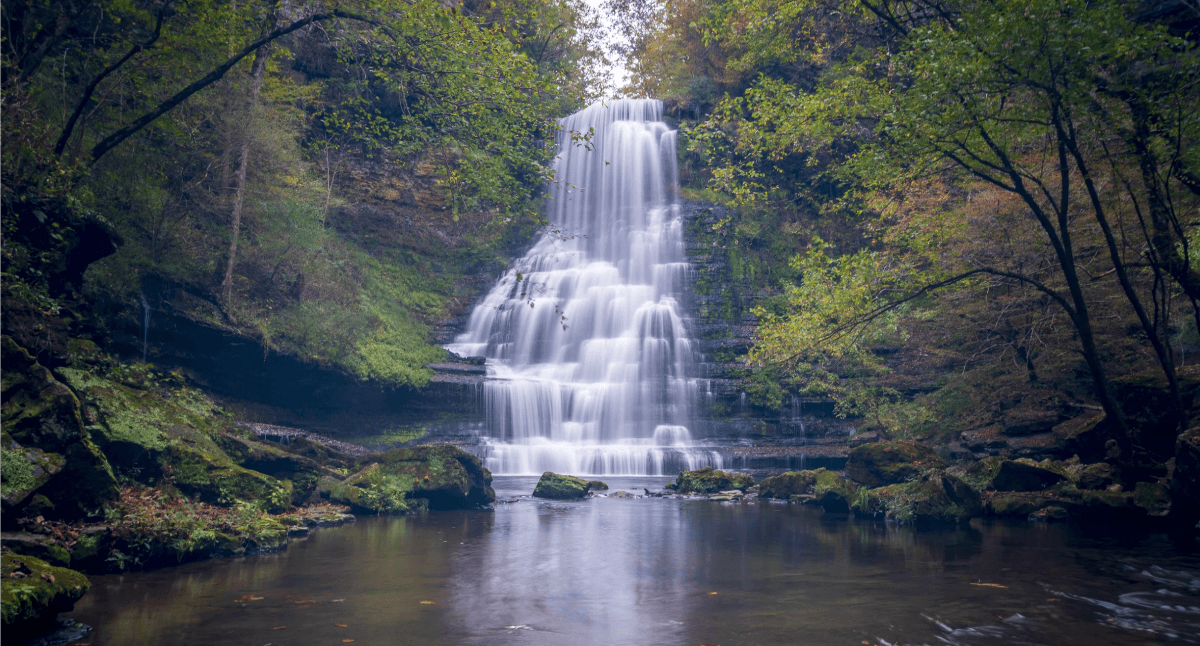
612,570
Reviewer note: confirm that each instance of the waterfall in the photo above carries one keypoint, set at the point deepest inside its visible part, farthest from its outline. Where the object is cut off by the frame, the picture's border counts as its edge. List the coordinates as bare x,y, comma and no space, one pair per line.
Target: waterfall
589,363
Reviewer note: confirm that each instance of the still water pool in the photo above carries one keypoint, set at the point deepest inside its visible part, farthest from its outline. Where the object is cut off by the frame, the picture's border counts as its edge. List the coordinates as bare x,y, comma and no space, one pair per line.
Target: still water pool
615,571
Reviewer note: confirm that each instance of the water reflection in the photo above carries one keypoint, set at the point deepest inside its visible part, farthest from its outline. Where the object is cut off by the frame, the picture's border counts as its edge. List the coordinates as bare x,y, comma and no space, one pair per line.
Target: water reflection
644,571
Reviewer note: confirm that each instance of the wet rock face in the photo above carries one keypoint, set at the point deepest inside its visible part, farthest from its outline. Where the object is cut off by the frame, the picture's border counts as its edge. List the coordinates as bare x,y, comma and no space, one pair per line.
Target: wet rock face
885,463
34,592
559,487
710,480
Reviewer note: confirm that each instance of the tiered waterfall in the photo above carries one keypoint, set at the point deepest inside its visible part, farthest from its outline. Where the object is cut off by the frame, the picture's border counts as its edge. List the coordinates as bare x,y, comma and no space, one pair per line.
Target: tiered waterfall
588,357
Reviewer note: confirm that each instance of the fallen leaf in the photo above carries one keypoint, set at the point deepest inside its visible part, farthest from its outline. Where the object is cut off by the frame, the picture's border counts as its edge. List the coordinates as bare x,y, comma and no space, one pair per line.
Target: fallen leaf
303,601
250,598
47,576
278,627
712,592
347,641
340,625
990,585
426,603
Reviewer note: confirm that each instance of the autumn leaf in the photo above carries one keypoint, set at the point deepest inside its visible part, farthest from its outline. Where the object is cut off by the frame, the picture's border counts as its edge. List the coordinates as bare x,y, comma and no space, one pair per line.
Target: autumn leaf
426,603
341,625
990,585
278,627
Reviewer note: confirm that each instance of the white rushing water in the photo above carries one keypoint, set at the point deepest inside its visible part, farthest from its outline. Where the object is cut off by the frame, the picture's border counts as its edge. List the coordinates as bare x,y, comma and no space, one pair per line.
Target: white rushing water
588,357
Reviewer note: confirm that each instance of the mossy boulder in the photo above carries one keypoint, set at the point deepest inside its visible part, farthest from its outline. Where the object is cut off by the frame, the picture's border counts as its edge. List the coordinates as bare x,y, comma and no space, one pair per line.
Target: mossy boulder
1185,479
47,454
1024,475
1154,498
559,487
33,592
302,472
596,485
786,485
401,480
936,497
822,488
885,463
710,480
1098,476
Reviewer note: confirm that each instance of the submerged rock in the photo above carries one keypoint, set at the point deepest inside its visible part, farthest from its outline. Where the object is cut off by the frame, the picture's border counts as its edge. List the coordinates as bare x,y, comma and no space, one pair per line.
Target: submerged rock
709,480
559,487
34,592
885,463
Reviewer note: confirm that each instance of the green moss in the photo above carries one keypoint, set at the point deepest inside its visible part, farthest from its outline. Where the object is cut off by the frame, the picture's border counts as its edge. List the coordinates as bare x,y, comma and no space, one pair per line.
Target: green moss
41,593
885,463
16,473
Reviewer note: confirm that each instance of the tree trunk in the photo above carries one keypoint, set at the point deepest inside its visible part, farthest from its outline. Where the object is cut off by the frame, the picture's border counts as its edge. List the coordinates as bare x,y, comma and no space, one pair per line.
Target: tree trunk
239,192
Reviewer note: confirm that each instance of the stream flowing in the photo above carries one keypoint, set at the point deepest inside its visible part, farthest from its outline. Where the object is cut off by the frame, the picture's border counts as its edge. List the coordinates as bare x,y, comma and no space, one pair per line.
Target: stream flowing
639,571
589,357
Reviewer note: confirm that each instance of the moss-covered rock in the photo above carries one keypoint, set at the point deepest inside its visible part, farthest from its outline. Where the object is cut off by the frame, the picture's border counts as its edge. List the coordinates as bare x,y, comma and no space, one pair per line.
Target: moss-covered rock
825,489
884,463
935,497
1098,476
304,473
33,592
596,485
151,438
710,480
1154,498
1023,475
786,485
560,487
1185,479
401,480
46,452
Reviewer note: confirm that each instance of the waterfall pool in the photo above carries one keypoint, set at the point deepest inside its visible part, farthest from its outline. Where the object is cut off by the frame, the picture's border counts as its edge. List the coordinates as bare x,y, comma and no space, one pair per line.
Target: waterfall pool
639,571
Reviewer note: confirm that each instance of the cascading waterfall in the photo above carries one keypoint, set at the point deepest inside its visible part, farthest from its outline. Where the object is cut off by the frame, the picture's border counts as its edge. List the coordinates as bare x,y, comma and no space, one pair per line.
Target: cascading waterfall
588,358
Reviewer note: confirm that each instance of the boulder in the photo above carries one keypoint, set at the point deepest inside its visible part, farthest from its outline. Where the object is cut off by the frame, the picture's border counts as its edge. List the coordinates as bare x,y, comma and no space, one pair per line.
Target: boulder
935,497
709,480
1023,475
822,488
875,465
420,477
1153,498
786,485
1085,436
727,496
560,487
302,472
1098,476
34,592
596,485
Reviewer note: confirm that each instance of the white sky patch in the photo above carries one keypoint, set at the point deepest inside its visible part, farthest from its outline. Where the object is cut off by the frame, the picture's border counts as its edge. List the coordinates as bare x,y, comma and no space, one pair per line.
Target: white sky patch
617,68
